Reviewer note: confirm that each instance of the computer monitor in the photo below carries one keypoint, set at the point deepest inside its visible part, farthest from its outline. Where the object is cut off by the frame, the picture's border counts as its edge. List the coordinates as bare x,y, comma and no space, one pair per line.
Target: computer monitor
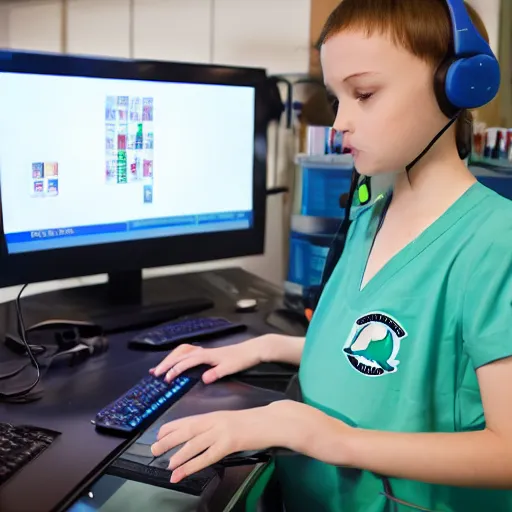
112,166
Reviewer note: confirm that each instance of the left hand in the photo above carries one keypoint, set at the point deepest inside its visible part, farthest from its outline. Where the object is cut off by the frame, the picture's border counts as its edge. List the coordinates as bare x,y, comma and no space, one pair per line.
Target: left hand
210,437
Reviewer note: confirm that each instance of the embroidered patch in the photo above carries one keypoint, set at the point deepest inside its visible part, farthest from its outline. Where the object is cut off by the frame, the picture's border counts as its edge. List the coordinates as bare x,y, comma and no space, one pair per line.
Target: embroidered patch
373,344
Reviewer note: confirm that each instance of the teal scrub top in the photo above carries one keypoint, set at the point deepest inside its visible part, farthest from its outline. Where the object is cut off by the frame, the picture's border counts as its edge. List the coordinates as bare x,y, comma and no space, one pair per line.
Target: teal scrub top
401,353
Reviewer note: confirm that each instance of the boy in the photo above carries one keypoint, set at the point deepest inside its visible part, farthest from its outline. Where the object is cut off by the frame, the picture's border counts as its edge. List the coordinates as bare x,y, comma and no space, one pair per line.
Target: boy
406,371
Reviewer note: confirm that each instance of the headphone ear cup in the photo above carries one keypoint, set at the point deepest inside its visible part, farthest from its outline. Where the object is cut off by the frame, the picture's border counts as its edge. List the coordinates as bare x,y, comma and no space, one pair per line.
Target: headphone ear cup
440,91
472,82
466,83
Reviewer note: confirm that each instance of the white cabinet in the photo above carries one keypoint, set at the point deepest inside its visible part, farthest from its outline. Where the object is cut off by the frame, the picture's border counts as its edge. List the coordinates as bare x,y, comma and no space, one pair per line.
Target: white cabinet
34,25
177,30
273,34
99,27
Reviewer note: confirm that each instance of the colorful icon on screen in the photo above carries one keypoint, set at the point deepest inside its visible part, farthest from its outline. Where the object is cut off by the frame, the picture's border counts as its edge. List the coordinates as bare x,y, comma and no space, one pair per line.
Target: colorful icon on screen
148,193
53,187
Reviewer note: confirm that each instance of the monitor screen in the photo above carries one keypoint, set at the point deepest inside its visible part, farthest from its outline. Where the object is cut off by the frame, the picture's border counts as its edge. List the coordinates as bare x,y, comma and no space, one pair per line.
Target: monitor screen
89,160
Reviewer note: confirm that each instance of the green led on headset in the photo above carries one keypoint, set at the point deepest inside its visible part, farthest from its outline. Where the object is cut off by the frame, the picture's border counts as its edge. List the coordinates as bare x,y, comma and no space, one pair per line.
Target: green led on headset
364,191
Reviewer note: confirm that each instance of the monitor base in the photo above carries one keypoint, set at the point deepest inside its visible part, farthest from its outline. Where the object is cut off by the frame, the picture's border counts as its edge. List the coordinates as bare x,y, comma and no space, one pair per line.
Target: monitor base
124,303
134,317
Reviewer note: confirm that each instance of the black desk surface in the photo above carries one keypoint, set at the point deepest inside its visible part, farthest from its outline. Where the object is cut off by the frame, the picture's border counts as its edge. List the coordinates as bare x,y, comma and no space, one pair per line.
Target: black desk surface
73,395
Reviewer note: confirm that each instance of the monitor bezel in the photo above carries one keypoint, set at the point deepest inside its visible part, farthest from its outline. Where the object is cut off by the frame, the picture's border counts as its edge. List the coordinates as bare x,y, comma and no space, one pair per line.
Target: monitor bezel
37,266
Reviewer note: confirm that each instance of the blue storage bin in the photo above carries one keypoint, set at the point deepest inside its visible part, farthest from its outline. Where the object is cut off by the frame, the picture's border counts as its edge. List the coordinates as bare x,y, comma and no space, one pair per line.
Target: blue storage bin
499,180
307,258
323,180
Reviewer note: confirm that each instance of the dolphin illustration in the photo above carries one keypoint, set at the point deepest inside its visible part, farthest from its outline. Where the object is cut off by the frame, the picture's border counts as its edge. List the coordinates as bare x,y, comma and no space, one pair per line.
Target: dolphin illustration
375,343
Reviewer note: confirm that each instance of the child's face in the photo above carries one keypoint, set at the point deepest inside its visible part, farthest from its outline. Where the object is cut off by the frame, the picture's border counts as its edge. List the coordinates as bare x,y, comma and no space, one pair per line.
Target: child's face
388,110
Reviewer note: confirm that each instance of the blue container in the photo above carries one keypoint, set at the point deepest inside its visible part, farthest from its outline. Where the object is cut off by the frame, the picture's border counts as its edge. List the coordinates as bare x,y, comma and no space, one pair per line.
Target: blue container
307,258
324,179
499,180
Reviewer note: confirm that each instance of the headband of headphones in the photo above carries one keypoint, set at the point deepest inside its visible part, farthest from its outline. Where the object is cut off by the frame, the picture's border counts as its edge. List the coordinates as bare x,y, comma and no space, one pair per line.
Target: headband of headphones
470,77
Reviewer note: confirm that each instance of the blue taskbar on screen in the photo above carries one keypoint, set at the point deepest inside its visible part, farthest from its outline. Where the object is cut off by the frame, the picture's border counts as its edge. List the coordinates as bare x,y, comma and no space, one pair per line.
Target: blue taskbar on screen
66,237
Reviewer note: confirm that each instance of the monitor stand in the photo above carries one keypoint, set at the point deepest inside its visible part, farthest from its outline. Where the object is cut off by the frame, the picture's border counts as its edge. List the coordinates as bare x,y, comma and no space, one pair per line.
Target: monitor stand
124,303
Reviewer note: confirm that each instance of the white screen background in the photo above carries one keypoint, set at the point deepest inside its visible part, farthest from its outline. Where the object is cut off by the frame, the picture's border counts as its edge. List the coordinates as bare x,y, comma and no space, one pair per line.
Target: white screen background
203,150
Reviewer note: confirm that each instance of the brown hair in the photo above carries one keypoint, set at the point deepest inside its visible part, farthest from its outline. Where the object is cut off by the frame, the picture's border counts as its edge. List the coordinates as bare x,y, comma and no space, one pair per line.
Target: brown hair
405,22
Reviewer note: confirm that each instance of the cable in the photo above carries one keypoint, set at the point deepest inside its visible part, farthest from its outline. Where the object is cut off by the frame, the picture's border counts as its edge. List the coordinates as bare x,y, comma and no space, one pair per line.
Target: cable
432,142
340,238
22,333
388,493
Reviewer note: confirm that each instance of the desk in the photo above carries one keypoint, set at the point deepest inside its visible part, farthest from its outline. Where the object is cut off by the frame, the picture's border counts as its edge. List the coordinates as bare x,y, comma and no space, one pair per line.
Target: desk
73,395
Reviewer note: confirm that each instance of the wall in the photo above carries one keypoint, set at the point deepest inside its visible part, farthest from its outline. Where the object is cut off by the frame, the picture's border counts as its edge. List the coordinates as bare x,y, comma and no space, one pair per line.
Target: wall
270,33
489,11
320,10
4,26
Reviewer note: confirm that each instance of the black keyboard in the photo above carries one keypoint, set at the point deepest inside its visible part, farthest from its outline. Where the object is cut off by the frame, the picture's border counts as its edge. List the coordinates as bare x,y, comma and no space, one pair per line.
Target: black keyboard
140,406
191,329
19,445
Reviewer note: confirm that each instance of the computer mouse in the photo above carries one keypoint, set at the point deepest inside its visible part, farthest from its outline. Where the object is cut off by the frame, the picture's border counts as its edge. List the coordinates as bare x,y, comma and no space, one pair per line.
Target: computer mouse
246,305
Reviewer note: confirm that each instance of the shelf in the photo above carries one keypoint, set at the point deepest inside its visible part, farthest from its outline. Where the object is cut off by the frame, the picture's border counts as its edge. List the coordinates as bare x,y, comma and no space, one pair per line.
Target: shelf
331,160
491,163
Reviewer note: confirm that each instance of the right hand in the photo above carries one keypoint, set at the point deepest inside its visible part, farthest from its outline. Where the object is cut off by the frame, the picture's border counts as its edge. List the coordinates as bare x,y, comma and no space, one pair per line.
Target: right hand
223,360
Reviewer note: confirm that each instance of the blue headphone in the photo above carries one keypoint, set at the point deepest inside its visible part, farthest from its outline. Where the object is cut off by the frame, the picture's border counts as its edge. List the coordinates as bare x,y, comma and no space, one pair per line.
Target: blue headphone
470,77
